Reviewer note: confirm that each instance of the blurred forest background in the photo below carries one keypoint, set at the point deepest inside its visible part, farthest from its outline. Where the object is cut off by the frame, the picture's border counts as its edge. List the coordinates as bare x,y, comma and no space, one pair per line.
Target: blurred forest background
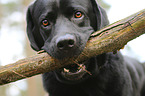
14,45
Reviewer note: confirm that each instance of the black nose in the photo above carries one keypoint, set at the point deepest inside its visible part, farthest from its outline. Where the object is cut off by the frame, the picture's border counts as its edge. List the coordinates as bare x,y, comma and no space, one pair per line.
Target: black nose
66,42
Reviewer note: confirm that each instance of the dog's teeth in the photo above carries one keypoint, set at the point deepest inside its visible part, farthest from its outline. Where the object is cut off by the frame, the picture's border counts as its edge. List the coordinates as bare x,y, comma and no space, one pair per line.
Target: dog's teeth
81,66
66,70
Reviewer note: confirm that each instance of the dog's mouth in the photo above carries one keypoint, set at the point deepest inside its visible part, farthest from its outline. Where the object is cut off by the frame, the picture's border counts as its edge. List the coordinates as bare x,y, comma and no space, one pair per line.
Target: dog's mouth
74,72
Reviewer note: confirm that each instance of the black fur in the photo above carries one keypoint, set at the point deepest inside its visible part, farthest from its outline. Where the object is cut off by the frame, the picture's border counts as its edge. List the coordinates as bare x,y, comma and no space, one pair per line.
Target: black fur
66,36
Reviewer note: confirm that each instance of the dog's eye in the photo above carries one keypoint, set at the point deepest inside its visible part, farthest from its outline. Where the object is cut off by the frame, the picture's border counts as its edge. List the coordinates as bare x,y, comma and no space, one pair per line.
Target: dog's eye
45,22
78,14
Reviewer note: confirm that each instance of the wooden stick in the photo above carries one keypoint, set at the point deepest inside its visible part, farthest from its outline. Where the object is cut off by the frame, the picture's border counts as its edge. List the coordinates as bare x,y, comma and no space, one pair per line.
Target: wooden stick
109,39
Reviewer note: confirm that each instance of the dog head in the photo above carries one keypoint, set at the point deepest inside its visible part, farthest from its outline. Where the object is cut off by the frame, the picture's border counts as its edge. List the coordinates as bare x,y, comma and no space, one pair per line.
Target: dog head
63,27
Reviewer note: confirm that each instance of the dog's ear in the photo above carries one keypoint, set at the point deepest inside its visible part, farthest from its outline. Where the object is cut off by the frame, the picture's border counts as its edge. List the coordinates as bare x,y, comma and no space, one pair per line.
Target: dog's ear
33,31
101,17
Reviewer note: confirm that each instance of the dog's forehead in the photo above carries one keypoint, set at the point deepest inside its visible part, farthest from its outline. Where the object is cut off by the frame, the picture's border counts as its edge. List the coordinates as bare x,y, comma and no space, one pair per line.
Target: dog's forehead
63,3
74,2
42,7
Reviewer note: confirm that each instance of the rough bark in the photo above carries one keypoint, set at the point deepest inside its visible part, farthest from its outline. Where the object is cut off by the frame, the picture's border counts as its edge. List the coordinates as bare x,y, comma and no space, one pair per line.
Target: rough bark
109,39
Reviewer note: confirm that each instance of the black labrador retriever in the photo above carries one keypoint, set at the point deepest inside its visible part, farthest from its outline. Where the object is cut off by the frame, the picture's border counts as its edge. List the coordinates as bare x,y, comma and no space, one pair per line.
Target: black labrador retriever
62,28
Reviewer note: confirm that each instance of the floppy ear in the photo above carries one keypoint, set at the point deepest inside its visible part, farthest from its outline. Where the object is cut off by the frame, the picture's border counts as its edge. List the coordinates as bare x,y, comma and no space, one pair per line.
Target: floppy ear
33,33
100,13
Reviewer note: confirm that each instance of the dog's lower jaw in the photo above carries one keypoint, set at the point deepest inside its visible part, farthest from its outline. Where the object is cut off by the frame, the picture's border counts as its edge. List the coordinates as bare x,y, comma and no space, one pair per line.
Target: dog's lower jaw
74,75
77,73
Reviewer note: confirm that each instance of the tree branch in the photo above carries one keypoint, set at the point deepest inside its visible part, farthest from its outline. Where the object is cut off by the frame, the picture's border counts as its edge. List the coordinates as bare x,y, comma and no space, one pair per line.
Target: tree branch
109,39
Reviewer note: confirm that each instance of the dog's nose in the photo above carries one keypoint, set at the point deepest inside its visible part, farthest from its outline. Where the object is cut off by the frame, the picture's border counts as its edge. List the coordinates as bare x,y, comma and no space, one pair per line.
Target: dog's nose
66,42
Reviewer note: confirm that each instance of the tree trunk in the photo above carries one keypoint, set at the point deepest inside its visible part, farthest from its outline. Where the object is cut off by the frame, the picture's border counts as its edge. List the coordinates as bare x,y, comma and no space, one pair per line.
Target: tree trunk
109,39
